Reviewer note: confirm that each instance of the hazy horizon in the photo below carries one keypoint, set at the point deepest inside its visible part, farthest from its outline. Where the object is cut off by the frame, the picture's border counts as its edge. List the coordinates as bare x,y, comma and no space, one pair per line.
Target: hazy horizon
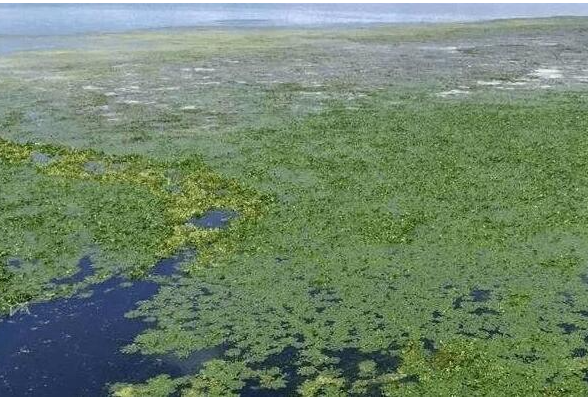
69,19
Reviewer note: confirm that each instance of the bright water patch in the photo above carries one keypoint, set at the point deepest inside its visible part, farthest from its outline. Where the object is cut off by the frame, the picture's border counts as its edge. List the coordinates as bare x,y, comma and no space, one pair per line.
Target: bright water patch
67,19
214,219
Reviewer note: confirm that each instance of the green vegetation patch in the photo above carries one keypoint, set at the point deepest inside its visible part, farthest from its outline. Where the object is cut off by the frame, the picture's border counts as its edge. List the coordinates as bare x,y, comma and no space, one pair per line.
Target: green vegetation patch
432,248
127,212
424,226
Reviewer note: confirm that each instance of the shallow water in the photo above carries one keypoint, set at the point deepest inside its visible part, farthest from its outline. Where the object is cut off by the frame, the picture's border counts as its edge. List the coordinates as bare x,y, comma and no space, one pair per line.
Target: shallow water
71,347
214,219
11,44
56,19
47,26
85,270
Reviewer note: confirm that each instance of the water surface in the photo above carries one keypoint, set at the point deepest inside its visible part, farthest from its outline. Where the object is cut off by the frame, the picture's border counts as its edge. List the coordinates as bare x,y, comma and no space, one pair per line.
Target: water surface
72,346
64,19
42,26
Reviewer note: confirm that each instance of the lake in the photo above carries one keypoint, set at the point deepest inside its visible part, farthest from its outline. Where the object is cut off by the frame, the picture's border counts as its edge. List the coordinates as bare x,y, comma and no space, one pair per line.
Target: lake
72,346
67,19
47,26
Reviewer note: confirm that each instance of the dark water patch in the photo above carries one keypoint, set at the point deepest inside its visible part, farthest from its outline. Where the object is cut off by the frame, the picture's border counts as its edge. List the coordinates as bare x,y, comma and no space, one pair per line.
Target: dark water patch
214,219
479,295
170,266
14,262
437,315
351,358
324,295
486,333
379,363
475,296
72,346
85,269
458,302
409,379
347,360
579,353
286,361
568,328
429,345
492,332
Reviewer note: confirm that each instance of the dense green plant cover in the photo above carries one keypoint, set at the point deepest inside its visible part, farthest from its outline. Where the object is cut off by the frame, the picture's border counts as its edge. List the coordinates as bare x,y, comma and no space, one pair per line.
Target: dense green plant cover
395,238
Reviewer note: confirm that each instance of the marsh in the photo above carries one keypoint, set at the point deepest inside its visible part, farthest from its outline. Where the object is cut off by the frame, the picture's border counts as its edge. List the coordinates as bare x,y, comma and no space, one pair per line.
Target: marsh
374,207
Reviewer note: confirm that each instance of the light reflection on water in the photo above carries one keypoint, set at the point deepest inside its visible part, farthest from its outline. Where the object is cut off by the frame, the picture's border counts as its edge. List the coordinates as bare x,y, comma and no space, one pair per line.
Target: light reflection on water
62,19
27,26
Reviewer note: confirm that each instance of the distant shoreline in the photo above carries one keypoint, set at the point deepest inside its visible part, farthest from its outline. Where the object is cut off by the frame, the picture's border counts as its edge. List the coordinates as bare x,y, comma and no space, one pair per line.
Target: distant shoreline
75,19
314,27
10,44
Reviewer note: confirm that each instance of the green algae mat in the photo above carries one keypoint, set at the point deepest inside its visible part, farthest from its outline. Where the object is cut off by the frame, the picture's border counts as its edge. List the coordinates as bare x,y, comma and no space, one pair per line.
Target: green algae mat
413,220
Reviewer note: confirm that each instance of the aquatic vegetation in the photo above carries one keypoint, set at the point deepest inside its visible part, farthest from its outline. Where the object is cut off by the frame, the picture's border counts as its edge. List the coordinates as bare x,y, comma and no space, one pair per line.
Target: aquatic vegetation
56,211
93,320
216,378
437,222
158,386
388,240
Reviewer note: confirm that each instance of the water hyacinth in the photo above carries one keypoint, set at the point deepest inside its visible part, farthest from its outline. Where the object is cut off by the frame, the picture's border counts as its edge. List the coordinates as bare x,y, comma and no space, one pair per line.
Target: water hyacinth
395,210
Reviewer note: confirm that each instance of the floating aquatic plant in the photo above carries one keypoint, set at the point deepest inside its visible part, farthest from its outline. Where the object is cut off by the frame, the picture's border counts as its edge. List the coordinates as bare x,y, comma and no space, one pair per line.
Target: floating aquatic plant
124,209
410,244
